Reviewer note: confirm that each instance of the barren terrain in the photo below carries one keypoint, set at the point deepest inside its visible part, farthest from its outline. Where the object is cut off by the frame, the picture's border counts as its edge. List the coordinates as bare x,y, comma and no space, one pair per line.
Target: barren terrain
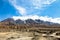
24,36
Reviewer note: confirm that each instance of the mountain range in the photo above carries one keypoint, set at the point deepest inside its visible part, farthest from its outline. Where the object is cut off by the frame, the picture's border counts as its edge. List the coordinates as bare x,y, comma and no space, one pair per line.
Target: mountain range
29,21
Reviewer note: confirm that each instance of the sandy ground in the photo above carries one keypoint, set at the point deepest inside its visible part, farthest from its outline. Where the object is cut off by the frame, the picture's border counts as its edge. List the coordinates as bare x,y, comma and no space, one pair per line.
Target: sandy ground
15,36
22,36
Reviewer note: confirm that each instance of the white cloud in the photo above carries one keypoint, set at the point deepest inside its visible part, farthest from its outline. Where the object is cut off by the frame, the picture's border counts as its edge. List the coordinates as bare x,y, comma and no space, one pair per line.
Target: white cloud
26,17
20,9
42,3
49,2
45,18
33,4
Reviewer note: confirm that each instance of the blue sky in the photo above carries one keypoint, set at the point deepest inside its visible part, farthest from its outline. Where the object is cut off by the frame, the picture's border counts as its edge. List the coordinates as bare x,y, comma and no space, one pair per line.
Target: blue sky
11,8
6,10
53,10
